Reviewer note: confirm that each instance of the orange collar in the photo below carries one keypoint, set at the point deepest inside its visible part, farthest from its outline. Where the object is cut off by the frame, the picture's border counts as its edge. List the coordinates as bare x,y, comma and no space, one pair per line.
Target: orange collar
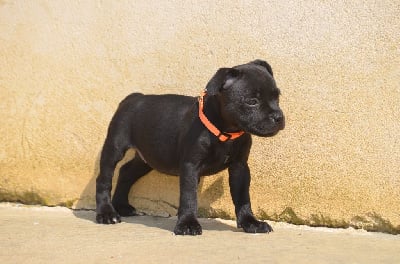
222,136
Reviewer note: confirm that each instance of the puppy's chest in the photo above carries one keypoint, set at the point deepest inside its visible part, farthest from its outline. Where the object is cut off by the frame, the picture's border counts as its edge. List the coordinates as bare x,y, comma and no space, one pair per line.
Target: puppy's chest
218,159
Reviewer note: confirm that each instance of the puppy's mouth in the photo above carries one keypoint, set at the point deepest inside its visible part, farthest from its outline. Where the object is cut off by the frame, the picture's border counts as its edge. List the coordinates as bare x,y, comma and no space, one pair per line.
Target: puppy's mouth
266,130
264,133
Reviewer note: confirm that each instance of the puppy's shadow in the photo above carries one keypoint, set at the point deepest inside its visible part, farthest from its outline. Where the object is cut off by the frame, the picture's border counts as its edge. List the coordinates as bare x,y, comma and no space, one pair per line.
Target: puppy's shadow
168,223
165,223
86,203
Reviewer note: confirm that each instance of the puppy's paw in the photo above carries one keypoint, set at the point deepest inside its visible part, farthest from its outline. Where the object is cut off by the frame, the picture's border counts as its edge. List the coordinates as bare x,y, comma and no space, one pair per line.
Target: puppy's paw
188,226
252,225
126,210
107,215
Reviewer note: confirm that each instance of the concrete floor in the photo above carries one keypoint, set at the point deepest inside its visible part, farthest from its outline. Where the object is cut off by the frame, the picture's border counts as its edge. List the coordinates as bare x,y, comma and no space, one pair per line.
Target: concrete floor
31,234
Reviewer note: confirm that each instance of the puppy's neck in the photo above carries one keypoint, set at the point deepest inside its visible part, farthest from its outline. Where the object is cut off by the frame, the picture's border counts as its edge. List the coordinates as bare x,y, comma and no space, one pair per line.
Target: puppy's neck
215,113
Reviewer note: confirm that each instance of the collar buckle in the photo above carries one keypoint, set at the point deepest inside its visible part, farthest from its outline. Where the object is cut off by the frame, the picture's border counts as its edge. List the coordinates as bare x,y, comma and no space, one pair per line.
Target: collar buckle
224,136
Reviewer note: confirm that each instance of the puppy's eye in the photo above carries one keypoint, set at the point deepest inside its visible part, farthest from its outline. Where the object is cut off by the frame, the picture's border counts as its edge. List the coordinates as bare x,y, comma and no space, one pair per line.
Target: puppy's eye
252,102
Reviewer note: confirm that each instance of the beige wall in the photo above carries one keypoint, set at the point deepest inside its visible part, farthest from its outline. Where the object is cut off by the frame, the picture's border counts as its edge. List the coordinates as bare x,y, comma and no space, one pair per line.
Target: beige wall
65,65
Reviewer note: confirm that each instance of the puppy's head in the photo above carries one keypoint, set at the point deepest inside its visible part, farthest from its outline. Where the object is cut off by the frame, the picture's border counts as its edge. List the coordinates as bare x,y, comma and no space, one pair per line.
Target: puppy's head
249,98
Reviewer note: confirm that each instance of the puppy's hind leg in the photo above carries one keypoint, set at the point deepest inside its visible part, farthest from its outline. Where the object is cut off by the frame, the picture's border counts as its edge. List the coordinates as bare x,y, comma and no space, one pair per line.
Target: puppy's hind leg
110,156
128,175
116,144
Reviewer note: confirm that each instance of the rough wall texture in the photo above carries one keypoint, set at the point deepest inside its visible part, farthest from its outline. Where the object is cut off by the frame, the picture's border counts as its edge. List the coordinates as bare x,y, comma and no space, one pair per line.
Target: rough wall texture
65,65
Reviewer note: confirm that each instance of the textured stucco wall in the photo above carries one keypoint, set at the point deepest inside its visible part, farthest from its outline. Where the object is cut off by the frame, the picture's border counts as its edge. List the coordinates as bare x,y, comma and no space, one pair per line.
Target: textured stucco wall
65,65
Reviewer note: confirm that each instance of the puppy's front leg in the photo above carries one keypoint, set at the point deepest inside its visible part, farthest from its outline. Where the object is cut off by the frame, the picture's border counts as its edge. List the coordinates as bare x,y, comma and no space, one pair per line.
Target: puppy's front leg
187,214
239,182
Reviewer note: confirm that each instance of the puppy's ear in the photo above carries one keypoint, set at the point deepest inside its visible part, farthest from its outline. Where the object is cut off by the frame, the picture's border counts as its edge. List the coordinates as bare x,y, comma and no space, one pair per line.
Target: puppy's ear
222,78
264,64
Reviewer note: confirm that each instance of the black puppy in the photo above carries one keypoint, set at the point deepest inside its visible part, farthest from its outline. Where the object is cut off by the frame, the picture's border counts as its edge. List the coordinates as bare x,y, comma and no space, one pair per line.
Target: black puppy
191,137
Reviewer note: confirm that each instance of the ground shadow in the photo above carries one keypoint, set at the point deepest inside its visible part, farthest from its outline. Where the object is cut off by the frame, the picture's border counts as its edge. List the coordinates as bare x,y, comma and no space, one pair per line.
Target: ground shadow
165,223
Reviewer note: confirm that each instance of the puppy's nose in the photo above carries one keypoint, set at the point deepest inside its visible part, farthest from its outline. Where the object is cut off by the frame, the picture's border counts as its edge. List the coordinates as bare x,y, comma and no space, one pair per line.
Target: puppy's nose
277,117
